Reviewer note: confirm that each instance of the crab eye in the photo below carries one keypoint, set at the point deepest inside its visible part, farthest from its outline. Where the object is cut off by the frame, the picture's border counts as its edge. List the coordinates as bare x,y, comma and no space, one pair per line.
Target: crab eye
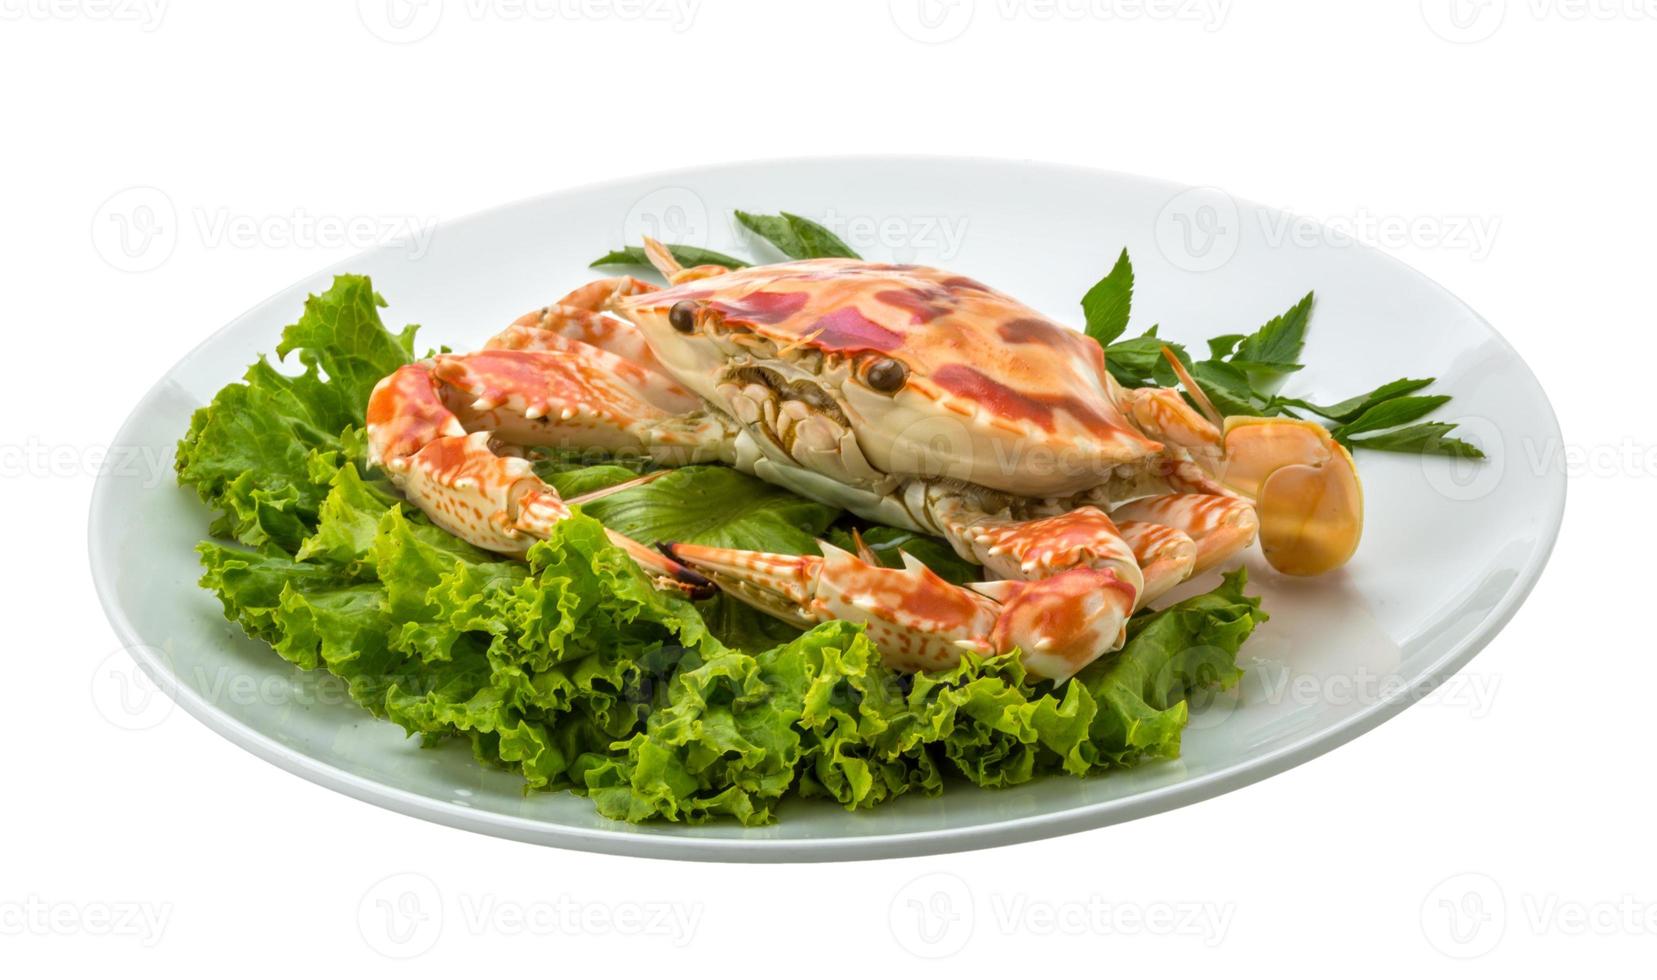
887,375
683,316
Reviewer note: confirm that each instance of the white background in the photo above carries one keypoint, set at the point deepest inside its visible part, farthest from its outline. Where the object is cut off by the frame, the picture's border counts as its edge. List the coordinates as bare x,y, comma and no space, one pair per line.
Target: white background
1503,148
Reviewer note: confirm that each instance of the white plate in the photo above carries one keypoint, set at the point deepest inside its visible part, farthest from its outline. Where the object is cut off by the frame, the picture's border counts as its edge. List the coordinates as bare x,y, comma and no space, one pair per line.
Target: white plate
1450,550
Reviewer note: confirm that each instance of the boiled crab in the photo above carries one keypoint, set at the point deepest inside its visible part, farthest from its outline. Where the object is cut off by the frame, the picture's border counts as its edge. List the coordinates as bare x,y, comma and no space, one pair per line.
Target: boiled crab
905,394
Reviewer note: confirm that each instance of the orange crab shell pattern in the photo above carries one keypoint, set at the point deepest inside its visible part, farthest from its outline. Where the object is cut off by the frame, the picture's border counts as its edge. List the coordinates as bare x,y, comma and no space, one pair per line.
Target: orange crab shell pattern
974,350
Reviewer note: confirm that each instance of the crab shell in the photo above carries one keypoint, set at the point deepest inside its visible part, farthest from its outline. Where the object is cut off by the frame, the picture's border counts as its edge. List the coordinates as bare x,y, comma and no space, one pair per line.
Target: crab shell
994,393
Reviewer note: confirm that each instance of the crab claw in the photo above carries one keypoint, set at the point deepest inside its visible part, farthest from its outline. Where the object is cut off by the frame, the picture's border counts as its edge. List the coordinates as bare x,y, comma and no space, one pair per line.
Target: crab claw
1305,488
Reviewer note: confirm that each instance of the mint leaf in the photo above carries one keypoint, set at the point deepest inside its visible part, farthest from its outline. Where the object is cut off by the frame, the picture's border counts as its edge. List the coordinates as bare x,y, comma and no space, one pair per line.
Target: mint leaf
688,256
1107,304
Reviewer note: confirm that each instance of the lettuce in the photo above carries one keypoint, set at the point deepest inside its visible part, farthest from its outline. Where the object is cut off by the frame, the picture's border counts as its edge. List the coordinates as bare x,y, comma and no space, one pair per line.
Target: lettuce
570,669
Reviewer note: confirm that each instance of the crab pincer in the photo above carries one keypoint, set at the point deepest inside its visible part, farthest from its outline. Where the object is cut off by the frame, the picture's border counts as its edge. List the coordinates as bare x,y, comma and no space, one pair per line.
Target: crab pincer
458,475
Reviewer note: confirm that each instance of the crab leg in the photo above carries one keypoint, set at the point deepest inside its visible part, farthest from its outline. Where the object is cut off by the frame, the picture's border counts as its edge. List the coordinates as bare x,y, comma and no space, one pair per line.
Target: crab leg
1219,526
1165,555
920,622
456,476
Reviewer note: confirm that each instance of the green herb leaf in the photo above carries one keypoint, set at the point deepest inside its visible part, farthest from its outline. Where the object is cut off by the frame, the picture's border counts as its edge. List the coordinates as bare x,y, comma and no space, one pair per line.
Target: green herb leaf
688,256
1135,362
1222,347
718,506
1107,305
1428,438
1353,407
796,237
1278,343
1228,388
1390,413
887,543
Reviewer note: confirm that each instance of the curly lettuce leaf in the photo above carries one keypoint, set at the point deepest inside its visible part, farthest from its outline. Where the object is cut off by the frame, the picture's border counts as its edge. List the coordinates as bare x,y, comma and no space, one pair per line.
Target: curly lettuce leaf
250,453
823,707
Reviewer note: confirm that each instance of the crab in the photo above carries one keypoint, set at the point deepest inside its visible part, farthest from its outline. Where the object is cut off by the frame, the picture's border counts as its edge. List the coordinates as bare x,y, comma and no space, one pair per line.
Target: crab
907,395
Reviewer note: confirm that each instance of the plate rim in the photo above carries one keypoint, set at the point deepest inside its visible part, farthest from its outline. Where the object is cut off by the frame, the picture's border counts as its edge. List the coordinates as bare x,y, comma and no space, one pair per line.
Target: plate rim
625,839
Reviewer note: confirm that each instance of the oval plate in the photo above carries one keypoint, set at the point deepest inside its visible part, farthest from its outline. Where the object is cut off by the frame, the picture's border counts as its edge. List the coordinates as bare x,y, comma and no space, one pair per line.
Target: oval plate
1450,549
